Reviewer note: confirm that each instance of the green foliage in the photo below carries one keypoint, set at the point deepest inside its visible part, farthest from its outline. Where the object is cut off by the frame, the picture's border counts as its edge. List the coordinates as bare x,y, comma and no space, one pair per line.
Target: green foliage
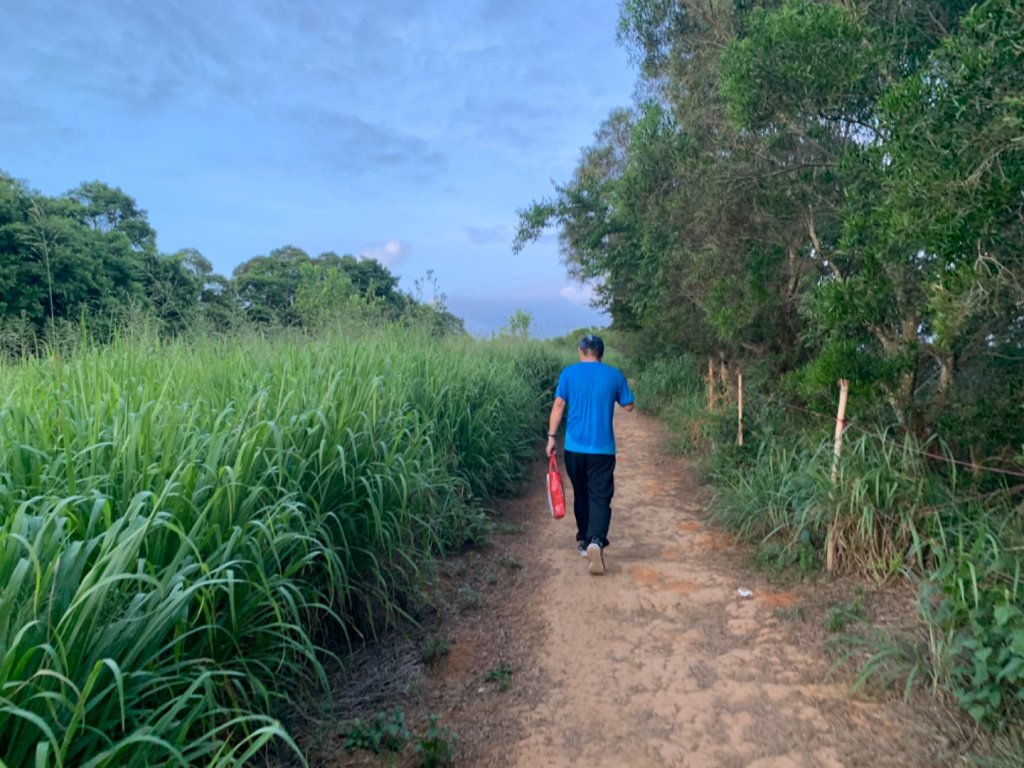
519,323
187,528
778,557
878,511
664,381
436,748
388,734
89,258
501,676
784,67
926,296
435,649
891,513
972,603
892,660
87,250
673,390
323,295
840,615
776,494
383,733
820,188
267,285
469,599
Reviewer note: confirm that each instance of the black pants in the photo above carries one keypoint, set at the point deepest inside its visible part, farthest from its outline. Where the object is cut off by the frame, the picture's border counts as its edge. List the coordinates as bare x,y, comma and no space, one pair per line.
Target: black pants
593,484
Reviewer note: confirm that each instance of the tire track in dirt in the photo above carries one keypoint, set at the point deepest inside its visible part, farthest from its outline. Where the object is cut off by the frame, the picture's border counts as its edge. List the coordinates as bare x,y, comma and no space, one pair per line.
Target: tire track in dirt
661,663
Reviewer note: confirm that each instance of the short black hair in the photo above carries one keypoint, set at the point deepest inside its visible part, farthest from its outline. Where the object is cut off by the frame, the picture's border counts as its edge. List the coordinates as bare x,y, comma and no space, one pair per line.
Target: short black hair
592,343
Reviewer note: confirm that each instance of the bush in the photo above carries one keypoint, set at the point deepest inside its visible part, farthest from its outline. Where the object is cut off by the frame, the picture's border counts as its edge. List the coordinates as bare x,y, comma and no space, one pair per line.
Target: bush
972,606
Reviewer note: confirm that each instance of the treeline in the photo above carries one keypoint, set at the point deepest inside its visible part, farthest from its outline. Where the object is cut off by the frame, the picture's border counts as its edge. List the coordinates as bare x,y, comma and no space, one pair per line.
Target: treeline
810,191
827,189
91,254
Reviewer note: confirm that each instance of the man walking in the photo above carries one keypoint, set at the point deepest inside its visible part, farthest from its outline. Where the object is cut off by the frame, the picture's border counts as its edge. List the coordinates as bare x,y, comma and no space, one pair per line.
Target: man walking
590,389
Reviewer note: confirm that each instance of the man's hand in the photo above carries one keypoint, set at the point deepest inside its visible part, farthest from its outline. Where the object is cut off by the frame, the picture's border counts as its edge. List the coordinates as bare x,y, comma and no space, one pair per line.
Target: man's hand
551,446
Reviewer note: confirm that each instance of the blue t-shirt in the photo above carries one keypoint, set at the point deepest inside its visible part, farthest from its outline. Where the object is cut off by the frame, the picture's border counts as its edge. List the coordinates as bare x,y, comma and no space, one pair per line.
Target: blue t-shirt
591,391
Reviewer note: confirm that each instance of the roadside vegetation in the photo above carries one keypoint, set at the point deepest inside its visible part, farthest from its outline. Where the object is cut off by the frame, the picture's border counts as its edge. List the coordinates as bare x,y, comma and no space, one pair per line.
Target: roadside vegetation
190,529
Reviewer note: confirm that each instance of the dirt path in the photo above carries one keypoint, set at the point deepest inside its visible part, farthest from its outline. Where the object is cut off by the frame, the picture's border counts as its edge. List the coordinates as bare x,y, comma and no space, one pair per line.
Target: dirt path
661,663
657,664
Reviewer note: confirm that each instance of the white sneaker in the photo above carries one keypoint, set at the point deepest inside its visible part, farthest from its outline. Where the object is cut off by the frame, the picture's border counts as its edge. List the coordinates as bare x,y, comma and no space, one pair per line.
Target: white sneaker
595,554
581,547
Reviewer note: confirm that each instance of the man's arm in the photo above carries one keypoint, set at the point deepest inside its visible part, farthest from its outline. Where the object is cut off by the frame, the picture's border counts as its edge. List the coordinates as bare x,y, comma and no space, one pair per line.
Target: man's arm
625,393
553,421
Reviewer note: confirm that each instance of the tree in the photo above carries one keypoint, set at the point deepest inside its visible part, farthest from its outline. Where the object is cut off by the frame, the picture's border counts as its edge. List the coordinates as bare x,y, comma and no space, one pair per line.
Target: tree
25,286
270,287
433,313
91,250
181,287
829,189
934,254
267,285
373,281
324,293
108,209
54,267
519,323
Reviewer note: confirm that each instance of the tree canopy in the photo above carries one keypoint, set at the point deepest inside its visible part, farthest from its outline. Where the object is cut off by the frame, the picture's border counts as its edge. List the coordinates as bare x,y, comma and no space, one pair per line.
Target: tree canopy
92,254
824,189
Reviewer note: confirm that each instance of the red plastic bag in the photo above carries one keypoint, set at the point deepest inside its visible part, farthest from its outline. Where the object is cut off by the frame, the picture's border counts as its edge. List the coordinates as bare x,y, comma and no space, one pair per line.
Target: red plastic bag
556,494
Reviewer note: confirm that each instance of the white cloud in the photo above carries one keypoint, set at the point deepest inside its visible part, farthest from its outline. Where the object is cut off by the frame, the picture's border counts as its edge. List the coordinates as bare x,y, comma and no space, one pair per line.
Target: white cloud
578,294
390,254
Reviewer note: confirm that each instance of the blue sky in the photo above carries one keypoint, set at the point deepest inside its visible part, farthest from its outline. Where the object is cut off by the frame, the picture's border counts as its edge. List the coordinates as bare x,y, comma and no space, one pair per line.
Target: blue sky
407,131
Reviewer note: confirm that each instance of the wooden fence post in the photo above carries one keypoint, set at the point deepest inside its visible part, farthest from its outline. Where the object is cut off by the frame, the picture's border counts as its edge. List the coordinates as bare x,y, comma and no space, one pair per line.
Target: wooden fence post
844,393
830,539
723,376
739,407
712,400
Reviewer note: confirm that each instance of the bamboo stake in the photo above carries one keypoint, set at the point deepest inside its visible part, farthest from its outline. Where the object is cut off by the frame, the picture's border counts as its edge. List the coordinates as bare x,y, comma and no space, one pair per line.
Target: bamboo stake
830,539
739,407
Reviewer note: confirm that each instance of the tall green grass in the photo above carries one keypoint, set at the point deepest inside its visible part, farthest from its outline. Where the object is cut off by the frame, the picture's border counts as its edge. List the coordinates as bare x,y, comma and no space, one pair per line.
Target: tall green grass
673,390
185,529
972,603
891,513
883,504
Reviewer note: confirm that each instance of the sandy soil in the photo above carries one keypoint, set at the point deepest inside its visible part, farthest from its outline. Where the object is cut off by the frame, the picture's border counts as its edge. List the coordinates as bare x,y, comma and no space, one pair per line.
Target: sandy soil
657,663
